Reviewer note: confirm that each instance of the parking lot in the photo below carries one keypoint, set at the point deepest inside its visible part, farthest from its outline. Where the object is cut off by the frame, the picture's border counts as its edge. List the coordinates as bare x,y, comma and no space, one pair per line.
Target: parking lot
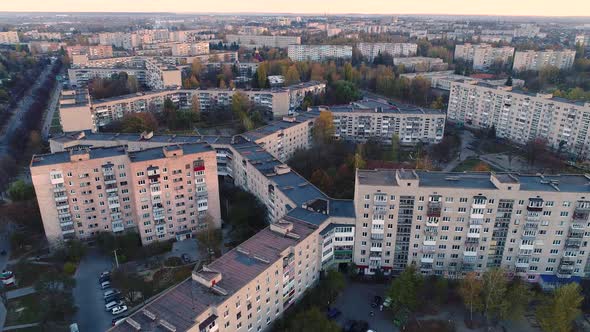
91,315
355,304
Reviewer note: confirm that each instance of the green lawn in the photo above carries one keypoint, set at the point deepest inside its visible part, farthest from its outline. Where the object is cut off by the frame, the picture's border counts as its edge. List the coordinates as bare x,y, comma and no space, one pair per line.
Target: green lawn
23,310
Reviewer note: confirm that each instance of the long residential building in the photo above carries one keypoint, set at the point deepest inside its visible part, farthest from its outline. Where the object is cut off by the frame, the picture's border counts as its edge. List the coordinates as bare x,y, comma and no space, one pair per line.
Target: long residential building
443,79
447,224
9,37
151,72
521,117
319,52
376,119
537,60
372,50
261,41
421,64
163,193
82,113
482,56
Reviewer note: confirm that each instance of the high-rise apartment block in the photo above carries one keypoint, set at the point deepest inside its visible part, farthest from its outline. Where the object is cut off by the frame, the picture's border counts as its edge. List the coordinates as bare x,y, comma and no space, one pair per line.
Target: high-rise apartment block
374,119
164,193
482,56
92,52
520,116
537,60
9,37
185,49
372,50
319,52
451,223
260,41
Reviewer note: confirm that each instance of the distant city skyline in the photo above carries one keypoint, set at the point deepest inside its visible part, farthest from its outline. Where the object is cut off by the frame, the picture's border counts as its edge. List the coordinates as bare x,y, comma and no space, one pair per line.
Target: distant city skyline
442,7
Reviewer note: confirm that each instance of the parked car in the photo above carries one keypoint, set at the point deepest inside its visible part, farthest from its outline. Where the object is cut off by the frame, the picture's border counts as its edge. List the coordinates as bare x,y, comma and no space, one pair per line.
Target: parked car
109,306
118,320
105,285
119,309
356,326
105,273
112,297
387,302
185,258
103,279
111,292
333,313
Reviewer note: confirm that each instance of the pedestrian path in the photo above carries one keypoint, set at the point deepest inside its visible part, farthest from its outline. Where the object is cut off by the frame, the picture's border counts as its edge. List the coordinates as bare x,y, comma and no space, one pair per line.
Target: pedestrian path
20,292
18,327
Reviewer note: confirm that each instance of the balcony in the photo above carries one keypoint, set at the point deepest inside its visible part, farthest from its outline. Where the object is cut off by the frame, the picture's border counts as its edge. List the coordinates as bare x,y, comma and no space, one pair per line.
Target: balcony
526,246
475,221
573,243
529,226
428,249
581,215
434,209
522,263
61,198
575,234
430,242
59,189
431,230
376,249
469,253
377,236
427,259
117,227
564,274
566,264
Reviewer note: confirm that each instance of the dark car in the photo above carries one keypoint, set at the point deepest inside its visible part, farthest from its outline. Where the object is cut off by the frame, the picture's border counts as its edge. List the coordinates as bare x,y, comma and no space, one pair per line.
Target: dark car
333,313
185,258
103,279
356,326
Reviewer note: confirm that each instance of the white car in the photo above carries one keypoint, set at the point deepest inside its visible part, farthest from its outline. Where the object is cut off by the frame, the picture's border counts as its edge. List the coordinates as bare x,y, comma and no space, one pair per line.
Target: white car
105,285
109,306
119,309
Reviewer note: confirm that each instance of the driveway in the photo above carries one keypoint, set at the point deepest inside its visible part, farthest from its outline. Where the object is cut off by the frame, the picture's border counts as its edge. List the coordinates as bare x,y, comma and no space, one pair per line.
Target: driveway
466,139
355,304
91,315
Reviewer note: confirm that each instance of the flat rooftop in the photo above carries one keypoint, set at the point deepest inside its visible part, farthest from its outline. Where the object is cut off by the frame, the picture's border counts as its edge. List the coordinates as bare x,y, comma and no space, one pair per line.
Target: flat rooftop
279,125
482,180
64,157
369,105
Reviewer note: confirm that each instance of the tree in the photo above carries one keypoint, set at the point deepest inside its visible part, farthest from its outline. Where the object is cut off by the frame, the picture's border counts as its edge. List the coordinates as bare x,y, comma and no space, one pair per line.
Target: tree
323,129
470,290
518,296
348,72
55,293
138,123
334,284
312,319
342,92
404,290
395,148
495,285
131,285
210,237
508,81
261,76
196,67
557,312
19,190
292,76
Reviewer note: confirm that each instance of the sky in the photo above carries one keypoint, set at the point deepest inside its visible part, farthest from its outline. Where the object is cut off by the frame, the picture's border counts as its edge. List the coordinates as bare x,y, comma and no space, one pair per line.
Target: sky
458,7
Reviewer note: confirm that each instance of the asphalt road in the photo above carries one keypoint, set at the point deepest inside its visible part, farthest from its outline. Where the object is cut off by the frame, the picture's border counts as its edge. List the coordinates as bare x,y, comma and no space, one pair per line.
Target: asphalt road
91,315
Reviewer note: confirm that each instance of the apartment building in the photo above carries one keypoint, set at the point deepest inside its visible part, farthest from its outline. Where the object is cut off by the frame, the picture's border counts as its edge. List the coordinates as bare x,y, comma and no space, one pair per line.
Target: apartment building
246,289
452,223
149,71
537,60
421,64
262,41
482,56
372,50
520,116
163,193
9,37
86,114
377,119
186,49
319,52
128,41
93,52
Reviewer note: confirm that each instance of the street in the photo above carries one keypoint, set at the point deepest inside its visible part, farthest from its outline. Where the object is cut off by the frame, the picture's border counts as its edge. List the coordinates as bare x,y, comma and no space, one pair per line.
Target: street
91,315
466,139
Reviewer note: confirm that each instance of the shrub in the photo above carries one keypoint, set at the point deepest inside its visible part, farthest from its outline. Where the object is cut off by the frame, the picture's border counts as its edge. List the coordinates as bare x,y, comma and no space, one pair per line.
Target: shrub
70,268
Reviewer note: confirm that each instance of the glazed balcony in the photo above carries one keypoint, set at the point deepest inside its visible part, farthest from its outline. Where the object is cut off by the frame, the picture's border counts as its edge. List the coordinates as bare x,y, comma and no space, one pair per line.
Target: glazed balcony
434,209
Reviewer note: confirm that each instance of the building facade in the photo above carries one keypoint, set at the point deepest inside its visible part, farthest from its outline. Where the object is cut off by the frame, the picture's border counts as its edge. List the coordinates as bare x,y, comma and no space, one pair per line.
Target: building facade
371,50
319,52
9,37
482,56
537,60
522,117
163,193
258,41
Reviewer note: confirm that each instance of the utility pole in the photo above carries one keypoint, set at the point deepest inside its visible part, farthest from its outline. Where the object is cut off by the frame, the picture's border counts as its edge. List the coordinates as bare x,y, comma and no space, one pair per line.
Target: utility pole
116,259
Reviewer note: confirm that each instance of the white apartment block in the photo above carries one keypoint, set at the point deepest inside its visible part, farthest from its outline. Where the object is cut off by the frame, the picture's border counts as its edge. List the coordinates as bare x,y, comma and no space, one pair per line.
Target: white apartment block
9,37
521,117
443,79
582,39
319,52
374,119
163,193
421,63
372,50
261,41
482,56
452,223
128,41
537,60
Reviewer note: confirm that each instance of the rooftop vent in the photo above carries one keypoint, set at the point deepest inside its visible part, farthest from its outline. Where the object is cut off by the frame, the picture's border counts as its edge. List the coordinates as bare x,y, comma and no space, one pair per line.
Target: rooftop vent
167,325
149,314
133,324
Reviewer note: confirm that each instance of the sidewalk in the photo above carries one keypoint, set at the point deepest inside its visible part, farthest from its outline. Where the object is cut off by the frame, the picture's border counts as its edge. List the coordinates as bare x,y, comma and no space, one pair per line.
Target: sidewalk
20,292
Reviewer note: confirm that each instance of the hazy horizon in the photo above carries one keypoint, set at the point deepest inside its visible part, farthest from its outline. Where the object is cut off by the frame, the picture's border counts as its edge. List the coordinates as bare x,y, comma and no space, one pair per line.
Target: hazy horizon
573,8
